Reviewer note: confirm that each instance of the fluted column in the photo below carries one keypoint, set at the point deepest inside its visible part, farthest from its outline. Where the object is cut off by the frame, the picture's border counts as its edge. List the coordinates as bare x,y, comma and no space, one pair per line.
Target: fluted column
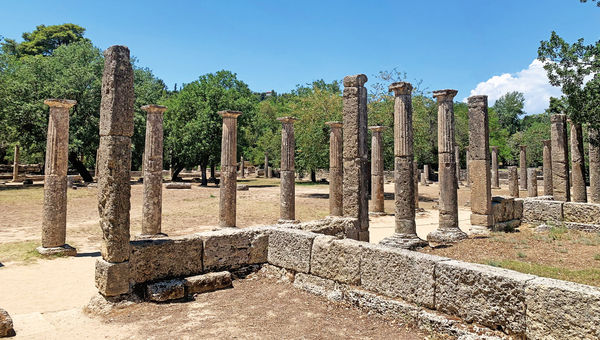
495,177
448,231
594,165
266,164
288,171
153,165
523,167
377,194
336,169
457,159
15,177
242,174
560,158
228,190
578,164
547,154
532,189
513,181
54,223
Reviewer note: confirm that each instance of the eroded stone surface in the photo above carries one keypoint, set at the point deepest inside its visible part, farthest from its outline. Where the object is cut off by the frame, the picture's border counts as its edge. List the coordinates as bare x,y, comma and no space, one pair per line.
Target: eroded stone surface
581,212
207,282
234,248
166,290
336,259
290,249
336,169
561,189
178,185
6,324
112,279
542,211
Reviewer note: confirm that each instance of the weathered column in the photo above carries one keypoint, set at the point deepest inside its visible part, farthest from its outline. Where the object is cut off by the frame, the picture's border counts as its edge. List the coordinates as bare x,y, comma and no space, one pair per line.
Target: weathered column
457,159
114,164
594,165
355,198
377,195
523,167
495,177
54,223
481,185
513,181
547,167
578,164
16,164
416,176
424,178
242,174
560,158
467,163
426,172
336,169
532,189
448,231
266,164
288,171
228,190
152,165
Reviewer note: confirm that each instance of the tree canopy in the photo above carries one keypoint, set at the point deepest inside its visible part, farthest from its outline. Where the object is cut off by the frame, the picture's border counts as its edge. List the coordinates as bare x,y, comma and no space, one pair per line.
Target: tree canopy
44,40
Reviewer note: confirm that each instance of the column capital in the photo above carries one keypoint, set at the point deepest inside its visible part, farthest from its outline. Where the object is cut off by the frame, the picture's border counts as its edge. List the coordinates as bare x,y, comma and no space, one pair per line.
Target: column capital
401,88
494,148
335,124
229,113
523,147
558,118
477,99
153,108
444,95
355,80
547,142
289,120
66,103
377,128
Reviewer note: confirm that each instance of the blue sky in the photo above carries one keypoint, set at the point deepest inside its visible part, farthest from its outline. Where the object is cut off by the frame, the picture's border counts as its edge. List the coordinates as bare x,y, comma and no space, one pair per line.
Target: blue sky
476,46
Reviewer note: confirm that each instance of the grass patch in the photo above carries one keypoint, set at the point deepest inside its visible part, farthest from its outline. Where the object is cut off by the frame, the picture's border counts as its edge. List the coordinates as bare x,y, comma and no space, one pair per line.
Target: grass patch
19,252
586,276
22,195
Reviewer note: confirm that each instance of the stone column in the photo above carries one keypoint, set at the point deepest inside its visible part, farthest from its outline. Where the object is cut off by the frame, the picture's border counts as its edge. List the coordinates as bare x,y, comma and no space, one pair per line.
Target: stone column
467,162
578,164
416,176
242,167
152,165
114,164
448,231
54,223
426,172
424,178
457,158
336,169
560,158
495,177
547,167
287,211
16,164
377,194
532,185
513,181
594,165
480,177
266,165
356,204
523,167
228,186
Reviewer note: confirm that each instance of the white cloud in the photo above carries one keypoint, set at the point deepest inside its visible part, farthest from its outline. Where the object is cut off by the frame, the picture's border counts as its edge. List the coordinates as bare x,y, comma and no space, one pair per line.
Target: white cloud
532,81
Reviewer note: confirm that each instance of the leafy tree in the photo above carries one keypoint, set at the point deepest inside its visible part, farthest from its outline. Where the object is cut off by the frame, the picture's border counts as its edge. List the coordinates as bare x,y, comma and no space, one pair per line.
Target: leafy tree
509,107
44,40
584,1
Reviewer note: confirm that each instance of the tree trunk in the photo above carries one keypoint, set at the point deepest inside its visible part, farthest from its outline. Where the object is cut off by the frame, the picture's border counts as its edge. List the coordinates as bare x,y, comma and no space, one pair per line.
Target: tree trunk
212,171
78,165
313,176
204,179
176,173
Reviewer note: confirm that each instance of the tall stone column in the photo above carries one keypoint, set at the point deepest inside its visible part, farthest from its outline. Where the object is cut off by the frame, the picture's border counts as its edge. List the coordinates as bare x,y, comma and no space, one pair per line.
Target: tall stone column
457,158
578,164
481,185
356,204
513,181
468,181
266,165
228,190
547,167
377,180
448,231
426,172
287,206
54,223
242,174
336,169
416,176
114,164
523,167
16,164
495,177
153,165
560,158
532,190
594,165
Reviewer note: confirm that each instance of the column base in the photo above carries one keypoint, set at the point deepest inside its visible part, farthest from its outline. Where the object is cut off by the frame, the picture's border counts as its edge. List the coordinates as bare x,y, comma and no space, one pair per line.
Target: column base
280,221
64,250
404,241
445,237
150,236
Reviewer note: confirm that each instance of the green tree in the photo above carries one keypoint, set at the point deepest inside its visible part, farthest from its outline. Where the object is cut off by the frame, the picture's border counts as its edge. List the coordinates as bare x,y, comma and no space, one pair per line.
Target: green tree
509,107
44,40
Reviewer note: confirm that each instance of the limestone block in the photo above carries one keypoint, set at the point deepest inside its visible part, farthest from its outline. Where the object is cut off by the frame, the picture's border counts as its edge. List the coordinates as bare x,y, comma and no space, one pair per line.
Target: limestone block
116,107
336,259
518,208
399,273
481,188
155,259
319,286
331,225
503,209
535,211
207,282
581,212
487,295
232,248
165,290
562,310
6,324
290,249
112,279
55,211
590,228
482,220
178,185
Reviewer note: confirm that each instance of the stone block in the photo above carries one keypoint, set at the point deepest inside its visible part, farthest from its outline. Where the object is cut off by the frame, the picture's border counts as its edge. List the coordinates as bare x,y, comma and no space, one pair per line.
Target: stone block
336,259
165,290
399,273
562,310
481,187
518,209
504,209
541,211
487,295
590,228
319,286
581,212
482,220
232,248
290,249
112,279
116,107
331,225
207,282
6,324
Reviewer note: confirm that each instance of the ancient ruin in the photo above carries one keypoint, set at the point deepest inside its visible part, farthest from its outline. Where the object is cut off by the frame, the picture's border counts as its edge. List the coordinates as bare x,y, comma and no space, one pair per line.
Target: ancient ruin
228,192
336,169
547,167
560,158
513,181
594,146
15,176
532,188
579,193
523,167
495,174
288,171
377,179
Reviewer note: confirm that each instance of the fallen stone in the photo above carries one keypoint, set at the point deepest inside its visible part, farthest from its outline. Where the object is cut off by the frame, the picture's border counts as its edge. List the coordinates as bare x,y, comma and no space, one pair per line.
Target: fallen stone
207,282
178,185
243,187
165,290
6,324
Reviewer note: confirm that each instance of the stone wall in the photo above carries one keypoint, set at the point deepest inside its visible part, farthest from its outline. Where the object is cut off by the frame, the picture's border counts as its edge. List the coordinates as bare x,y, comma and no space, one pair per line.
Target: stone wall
573,215
507,213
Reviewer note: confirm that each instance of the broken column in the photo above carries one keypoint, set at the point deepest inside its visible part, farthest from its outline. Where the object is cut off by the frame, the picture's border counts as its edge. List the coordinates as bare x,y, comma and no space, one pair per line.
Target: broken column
114,164
266,164
355,200
523,167
377,194
448,231
495,177
287,212
457,159
547,154
54,222
228,185
152,166
578,164
242,174
560,158
479,164
532,185
336,169
15,177
594,146
513,181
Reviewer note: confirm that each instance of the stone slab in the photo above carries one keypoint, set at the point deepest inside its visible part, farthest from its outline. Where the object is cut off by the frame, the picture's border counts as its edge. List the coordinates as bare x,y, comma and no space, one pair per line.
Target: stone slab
65,250
178,185
165,290
112,279
581,212
335,259
207,282
541,211
291,249
232,248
